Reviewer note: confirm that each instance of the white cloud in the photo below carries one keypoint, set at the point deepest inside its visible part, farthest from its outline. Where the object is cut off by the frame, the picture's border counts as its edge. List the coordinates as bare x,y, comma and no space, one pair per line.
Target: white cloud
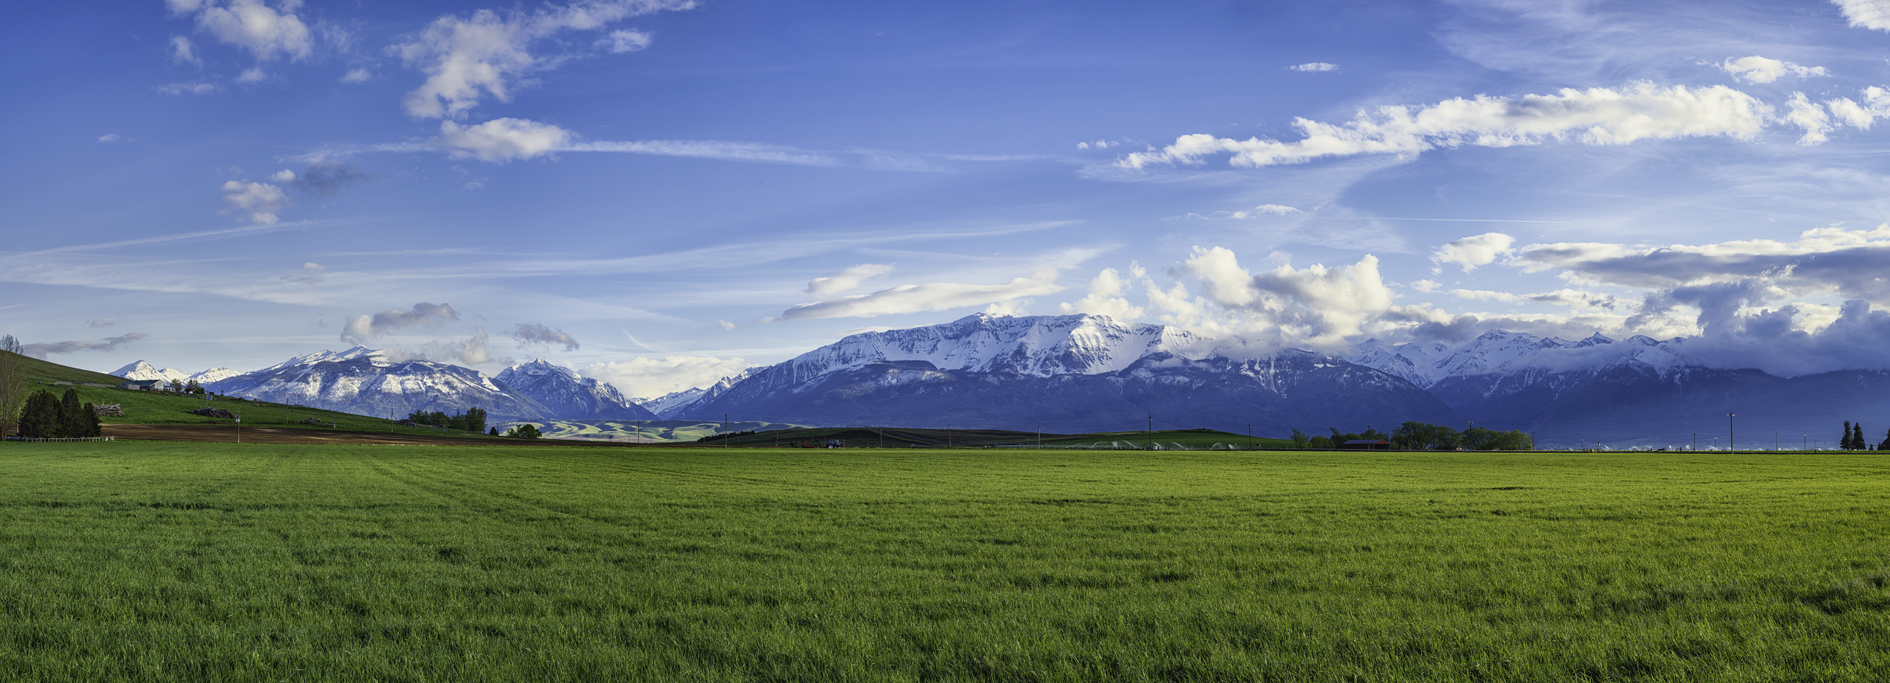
1756,69
1597,116
652,377
1471,252
187,88
1105,297
1871,14
109,137
846,280
486,54
1314,66
257,202
252,25
619,42
919,298
312,274
283,176
1426,286
1275,209
1099,144
253,74
1810,117
502,140
183,51
356,76
1316,306
472,351
359,329
726,325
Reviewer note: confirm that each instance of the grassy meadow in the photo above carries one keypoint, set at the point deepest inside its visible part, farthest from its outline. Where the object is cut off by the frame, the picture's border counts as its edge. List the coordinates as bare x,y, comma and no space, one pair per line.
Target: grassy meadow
178,561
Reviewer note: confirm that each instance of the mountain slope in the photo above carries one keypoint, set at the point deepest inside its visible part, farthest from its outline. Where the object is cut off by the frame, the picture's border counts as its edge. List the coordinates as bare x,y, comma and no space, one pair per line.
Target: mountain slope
365,382
568,396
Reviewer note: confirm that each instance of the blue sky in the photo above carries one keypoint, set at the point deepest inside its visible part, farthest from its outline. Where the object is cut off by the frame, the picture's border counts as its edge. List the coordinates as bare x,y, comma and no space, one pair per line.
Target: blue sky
659,193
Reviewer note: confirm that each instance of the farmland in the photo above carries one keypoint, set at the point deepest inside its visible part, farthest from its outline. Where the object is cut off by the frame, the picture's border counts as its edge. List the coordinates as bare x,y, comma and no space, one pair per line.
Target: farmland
175,561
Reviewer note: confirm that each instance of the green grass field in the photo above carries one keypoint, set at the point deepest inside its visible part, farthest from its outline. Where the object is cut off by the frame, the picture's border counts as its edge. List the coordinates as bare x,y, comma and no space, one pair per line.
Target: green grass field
171,561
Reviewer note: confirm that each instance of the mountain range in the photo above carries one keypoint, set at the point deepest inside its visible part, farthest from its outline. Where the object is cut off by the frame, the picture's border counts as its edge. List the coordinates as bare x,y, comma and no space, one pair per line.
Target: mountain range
1083,373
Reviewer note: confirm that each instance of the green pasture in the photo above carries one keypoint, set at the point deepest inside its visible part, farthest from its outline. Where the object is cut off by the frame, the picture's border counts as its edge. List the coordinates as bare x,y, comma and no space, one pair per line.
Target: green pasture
189,562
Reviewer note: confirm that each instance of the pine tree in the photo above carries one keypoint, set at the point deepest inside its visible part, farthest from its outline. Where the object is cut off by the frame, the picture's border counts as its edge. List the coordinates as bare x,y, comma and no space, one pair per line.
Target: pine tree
72,422
39,419
92,427
1857,437
1845,443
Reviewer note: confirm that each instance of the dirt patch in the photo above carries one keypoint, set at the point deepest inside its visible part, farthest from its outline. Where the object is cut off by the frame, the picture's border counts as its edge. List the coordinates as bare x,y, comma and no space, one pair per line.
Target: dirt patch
279,435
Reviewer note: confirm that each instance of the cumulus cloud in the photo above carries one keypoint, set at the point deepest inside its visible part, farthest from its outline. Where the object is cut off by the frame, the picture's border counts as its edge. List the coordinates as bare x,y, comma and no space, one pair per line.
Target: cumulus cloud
1756,69
1426,286
183,51
487,54
1597,116
1823,259
1316,306
1099,144
1314,66
254,202
654,377
41,351
918,298
534,334
253,25
726,325
470,351
253,74
361,328
188,88
356,76
1810,117
312,274
1471,252
501,140
846,280
1105,296
1871,14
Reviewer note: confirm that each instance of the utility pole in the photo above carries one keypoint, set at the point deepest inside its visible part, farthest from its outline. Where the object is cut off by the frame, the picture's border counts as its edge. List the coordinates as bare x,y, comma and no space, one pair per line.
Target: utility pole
1729,432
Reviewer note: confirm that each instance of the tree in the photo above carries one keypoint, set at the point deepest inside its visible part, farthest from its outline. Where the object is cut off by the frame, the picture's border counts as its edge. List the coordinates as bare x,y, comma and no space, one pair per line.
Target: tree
39,419
1301,440
1885,446
1845,441
475,419
176,386
12,380
192,387
1421,436
523,431
1857,437
493,432
72,422
91,425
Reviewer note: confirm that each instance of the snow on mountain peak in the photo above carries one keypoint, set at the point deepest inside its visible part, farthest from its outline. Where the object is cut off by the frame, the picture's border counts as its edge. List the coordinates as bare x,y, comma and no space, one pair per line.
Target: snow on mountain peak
141,370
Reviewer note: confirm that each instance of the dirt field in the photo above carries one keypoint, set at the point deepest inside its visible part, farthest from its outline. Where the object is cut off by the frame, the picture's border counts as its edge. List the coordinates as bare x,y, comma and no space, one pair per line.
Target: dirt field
277,435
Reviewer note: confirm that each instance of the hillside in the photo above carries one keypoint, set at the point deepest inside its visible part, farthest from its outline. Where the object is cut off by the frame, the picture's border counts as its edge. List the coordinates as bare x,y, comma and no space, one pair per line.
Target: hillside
145,407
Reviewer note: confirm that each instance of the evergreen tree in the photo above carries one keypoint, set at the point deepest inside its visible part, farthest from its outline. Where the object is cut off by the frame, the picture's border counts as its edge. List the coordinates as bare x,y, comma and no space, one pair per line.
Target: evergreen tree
72,422
1885,446
39,419
13,386
92,427
1845,442
475,419
1857,437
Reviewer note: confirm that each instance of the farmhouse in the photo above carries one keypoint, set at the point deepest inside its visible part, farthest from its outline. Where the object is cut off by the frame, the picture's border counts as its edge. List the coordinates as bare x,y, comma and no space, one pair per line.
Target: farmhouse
144,384
1367,445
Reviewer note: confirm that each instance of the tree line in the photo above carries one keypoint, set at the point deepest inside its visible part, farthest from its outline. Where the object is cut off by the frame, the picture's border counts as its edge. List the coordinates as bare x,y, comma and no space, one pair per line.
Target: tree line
1854,439
473,420
47,417
1423,436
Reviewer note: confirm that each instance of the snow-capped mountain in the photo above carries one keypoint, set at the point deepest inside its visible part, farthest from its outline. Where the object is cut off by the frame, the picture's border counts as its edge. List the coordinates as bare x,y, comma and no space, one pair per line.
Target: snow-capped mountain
675,405
367,382
1067,373
212,375
143,370
568,396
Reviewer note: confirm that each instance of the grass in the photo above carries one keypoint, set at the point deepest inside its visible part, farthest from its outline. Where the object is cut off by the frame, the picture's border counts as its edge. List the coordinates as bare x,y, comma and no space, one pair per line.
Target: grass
158,561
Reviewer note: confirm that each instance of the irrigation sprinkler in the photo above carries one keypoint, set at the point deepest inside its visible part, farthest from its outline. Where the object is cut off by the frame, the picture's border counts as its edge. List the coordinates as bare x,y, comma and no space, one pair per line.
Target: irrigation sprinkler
1151,429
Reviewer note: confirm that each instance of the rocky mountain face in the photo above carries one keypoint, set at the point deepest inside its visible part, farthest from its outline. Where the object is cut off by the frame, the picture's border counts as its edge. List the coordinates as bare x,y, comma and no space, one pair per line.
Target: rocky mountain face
366,382
568,396
141,370
1067,374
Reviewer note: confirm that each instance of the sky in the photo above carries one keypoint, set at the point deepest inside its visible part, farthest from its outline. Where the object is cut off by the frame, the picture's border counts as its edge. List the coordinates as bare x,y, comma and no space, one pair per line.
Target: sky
659,193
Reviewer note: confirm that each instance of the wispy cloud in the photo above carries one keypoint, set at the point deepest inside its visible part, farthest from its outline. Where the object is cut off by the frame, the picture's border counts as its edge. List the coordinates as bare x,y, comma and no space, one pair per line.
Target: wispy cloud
43,350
